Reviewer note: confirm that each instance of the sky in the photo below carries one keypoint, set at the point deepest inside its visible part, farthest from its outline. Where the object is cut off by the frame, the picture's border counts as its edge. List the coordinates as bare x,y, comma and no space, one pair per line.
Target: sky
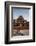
21,11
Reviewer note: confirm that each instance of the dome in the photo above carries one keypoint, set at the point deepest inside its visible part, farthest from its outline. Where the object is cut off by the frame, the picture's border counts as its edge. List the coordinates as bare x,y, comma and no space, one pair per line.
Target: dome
20,18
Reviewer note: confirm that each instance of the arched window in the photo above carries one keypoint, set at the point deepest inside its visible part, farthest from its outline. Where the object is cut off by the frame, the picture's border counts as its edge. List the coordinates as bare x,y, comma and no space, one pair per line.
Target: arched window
18,24
23,24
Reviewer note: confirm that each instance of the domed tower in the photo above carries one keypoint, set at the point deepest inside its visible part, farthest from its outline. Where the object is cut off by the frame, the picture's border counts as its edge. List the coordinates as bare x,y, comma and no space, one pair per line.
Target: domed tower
20,19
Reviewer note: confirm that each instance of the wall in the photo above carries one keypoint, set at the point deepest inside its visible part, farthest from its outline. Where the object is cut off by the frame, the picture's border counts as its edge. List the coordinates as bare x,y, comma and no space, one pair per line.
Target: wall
35,22
2,25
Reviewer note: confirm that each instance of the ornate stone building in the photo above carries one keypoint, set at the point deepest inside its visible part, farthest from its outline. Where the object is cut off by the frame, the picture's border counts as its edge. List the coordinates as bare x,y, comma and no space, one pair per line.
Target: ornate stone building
20,23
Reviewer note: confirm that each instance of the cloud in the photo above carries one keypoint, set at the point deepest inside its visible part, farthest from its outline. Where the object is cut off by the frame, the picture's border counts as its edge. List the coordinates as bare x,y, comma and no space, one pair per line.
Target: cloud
15,17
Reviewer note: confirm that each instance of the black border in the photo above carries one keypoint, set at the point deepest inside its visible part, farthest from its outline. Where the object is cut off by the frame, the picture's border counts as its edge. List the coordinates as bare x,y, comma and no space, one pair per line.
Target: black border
7,3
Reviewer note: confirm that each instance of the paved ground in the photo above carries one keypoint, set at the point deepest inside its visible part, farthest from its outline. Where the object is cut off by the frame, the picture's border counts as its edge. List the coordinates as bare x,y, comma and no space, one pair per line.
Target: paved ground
21,32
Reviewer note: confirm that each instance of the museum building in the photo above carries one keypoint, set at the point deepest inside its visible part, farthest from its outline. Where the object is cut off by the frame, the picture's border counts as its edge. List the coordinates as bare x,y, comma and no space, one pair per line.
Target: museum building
20,23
